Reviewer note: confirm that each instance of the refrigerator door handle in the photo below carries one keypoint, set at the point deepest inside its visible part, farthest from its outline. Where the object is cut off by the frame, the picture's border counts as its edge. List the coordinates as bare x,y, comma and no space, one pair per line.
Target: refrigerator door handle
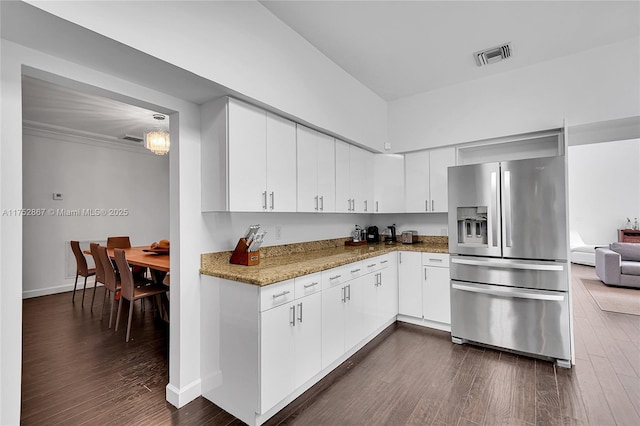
507,265
507,208
508,292
494,208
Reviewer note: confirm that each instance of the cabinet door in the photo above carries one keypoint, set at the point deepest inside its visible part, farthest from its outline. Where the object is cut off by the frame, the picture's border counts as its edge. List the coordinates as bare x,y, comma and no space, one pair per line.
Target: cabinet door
360,162
439,161
308,338
410,283
436,299
332,324
307,166
281,164
371,314
247,157
387,295
344,202
416,169
326,156
388,183
355,316
276,355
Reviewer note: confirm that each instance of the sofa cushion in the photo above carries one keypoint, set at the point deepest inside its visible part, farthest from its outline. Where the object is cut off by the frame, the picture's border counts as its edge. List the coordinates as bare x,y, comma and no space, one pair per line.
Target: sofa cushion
628,251
628,267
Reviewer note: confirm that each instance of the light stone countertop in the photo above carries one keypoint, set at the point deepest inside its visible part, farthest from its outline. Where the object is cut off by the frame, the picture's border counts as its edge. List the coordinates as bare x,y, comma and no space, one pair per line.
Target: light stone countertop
279,263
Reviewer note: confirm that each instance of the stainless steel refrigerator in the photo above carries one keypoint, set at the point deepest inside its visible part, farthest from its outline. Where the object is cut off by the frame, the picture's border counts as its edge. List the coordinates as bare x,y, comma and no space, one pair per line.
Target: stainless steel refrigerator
508,246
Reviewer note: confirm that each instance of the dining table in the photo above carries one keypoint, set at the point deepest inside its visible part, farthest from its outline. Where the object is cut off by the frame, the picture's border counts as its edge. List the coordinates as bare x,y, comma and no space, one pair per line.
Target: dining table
158,263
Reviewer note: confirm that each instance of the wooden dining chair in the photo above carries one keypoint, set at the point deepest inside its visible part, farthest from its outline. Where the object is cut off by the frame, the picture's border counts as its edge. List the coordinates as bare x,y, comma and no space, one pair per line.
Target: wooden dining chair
99,270
129,290
125,242
82,270
118,242
111,282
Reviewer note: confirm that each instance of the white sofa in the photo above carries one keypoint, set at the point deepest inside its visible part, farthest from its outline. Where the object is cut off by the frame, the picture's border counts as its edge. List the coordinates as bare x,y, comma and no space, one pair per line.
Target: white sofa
581,252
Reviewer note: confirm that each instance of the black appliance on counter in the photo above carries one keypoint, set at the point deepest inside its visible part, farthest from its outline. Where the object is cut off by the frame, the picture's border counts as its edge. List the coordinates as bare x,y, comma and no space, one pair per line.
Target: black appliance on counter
372,234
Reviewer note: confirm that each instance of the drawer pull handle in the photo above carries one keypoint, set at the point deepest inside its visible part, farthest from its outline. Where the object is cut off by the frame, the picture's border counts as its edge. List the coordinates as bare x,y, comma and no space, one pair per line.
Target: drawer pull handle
284,293
355,270
310,285
335,277
435,260
371,266
384,261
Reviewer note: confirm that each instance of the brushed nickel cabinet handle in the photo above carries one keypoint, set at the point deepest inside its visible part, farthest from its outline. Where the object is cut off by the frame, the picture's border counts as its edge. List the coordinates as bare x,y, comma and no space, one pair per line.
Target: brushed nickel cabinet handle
284,293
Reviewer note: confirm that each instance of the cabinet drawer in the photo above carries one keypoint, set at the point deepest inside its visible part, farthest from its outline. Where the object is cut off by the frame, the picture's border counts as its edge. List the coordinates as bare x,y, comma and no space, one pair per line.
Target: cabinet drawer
308,284
375,263
435,259
341,274
276,294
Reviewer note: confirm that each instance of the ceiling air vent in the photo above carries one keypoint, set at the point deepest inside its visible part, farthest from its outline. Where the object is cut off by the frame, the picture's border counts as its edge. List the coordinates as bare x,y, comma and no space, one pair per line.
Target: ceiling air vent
492,55
131,138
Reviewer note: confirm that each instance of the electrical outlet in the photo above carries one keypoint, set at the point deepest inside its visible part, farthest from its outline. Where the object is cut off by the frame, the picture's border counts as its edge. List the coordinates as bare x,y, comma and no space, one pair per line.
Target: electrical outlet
57,196
278,232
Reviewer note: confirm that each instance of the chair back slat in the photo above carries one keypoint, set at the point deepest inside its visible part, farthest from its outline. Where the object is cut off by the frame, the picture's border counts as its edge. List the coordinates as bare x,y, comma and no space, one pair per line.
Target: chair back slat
126,277
118,242
96,259
110,278
81,261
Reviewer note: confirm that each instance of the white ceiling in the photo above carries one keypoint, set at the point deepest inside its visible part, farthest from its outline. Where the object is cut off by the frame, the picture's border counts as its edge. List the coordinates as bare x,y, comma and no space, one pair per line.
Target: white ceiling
396,48
401,48
62,109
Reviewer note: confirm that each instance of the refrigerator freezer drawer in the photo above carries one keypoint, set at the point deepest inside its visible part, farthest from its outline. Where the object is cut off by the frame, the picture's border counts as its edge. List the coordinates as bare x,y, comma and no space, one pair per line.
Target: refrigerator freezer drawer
511,272
524,320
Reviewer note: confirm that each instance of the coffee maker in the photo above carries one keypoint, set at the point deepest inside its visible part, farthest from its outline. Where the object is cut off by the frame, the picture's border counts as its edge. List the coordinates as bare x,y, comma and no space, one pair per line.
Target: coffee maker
372,234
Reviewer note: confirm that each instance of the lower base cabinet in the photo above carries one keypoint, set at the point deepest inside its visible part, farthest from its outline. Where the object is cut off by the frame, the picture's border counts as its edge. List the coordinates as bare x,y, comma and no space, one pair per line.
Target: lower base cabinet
424,289
261,347
290,348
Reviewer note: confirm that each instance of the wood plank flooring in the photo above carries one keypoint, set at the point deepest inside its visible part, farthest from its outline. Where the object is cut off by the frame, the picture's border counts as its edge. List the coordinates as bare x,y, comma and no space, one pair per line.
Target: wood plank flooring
77,371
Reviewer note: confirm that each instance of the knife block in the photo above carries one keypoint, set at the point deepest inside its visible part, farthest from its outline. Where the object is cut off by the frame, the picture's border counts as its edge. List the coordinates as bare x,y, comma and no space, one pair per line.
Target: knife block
241,255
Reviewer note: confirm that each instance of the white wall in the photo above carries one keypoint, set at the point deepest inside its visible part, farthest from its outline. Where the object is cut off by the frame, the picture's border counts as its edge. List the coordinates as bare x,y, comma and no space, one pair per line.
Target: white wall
604,182
244,47
597,85
90,175
186,225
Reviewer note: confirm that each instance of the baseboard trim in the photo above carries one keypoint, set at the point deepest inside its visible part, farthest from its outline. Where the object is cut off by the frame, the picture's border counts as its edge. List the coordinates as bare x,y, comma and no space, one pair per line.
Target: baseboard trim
181,397
27,294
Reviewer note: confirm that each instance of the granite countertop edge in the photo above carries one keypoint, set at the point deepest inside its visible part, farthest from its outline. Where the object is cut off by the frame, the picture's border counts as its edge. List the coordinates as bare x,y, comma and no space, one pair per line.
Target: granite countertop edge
280,263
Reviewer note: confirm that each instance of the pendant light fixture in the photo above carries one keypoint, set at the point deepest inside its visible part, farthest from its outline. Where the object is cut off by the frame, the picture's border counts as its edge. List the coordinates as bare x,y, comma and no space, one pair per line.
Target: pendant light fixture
157,140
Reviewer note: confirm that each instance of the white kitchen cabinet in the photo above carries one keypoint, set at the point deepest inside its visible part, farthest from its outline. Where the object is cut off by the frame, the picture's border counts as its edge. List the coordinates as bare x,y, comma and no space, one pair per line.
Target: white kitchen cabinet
277,354
343,310
388,183
290,346
280,164
355,327
380,290
436,298
333,318
308,338
354,185
410,283
426,180
316,171
248,159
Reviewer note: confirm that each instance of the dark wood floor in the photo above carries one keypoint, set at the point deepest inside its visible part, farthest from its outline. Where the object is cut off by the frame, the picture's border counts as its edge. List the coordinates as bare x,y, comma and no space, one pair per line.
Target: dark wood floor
77,371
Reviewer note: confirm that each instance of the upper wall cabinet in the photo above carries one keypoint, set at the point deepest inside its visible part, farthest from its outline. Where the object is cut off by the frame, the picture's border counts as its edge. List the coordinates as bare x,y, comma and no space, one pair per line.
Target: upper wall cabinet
426,180
354,183
248,159
316,171
388,183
